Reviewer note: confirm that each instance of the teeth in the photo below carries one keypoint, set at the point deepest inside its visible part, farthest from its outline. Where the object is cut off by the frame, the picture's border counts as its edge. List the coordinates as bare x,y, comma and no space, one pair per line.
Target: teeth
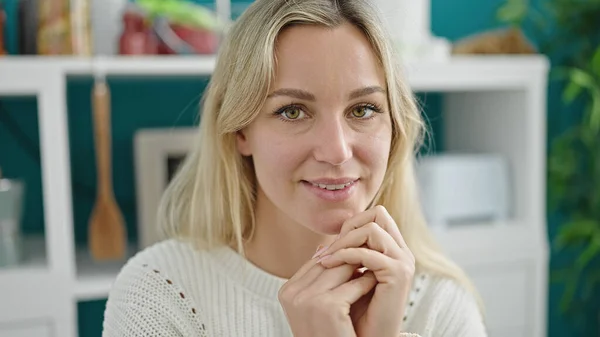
332,187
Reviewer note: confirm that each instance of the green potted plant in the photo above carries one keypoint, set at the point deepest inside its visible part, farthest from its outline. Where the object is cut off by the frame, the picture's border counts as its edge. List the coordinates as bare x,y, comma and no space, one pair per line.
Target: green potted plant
574,188
569,32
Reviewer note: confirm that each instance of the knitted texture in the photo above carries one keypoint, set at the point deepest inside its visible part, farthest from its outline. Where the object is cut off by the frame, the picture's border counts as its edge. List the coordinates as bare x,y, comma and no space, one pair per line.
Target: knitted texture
171,289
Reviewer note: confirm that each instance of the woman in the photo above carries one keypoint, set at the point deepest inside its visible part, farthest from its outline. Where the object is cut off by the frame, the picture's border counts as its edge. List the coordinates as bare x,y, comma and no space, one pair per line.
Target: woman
297,213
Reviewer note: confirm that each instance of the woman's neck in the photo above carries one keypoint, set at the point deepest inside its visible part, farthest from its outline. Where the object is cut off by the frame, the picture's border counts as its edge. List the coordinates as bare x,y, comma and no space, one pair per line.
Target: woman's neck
279,245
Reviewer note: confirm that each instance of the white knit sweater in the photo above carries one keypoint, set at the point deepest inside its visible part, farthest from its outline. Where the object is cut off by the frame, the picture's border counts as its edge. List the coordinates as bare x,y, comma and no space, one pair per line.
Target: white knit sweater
171,289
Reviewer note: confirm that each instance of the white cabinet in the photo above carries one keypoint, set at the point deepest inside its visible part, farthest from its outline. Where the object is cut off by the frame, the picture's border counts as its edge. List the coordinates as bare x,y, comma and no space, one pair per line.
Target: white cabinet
508,291
495,104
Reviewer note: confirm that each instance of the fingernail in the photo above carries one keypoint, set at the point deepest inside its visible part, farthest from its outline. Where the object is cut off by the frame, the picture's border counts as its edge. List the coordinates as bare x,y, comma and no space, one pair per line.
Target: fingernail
320,250
317,252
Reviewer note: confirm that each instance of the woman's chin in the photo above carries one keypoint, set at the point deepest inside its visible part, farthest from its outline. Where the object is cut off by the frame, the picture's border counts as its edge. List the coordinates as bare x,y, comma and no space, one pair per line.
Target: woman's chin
330,222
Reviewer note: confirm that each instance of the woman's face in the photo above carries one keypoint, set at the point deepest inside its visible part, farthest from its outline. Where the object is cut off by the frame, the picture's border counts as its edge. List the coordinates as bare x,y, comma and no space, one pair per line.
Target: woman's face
321,143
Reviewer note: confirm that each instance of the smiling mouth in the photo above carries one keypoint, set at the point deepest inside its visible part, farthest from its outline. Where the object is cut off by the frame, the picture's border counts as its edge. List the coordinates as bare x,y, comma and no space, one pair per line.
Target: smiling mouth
332,187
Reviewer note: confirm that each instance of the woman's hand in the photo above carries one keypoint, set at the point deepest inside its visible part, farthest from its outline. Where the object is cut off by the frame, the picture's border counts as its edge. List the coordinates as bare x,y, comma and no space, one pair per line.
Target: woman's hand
317,300
373,241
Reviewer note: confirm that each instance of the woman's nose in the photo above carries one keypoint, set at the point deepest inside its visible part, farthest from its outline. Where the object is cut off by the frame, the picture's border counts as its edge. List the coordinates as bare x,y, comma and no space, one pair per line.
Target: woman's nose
332,141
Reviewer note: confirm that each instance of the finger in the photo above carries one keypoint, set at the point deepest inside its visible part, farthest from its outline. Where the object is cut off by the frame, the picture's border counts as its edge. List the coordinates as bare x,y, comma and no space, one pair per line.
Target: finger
305,268
368,258
353,290
386,269
333,277
360,307
378,215
371,236
304,281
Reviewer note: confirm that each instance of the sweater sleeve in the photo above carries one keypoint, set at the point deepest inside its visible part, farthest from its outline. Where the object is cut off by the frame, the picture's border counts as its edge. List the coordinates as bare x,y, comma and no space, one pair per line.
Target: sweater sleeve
145,302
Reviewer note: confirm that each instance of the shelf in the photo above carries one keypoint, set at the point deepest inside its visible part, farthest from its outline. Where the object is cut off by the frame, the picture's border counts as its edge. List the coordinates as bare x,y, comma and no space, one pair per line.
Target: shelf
112,65
458,73
477,73
145,66
94,279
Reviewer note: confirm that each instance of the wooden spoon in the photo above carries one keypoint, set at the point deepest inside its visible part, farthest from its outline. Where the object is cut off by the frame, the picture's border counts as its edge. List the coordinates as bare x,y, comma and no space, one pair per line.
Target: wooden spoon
107,235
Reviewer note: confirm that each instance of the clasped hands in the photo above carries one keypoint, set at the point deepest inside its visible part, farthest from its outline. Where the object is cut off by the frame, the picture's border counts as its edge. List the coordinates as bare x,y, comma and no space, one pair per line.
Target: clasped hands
357,286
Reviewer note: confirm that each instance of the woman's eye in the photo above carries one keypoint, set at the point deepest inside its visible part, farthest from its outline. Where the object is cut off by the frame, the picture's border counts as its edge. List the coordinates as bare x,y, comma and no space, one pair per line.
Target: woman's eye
362,112
292,113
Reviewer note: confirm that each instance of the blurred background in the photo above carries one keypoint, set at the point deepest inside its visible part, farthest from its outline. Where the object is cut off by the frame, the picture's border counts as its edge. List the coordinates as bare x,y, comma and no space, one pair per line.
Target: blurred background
510,89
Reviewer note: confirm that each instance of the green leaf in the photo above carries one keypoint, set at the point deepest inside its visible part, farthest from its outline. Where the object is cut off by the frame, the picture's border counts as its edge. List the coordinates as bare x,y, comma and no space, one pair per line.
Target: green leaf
582,78
590,252
595,112
576,232
569,294
572,90
512,12
596,62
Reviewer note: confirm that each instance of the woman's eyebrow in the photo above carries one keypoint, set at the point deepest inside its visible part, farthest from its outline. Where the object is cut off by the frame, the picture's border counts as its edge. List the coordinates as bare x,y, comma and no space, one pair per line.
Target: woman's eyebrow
295,93
366,91
307,96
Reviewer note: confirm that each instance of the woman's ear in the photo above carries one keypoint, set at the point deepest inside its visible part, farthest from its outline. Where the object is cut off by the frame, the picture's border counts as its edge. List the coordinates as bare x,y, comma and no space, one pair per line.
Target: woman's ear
243,146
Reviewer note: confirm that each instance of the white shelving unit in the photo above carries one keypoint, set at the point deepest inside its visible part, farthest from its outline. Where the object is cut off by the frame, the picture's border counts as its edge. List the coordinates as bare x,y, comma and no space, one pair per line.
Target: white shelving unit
491,104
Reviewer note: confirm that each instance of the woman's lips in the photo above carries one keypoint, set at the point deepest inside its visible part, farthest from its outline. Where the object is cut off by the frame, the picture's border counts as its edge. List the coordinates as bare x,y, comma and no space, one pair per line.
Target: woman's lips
332,189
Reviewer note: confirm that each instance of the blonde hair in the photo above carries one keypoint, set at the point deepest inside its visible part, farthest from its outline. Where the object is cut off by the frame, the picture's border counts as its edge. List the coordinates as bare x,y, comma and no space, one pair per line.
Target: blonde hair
211,199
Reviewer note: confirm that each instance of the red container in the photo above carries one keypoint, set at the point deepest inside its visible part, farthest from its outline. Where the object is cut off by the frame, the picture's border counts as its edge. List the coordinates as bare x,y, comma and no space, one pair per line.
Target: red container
137,38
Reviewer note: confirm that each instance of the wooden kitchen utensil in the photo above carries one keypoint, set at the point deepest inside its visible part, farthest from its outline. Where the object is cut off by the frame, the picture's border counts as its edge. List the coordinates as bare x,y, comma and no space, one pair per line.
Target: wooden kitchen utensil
107,234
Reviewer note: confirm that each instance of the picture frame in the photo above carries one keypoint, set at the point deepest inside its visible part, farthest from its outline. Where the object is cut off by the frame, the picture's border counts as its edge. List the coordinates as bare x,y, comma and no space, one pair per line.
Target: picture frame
157,155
